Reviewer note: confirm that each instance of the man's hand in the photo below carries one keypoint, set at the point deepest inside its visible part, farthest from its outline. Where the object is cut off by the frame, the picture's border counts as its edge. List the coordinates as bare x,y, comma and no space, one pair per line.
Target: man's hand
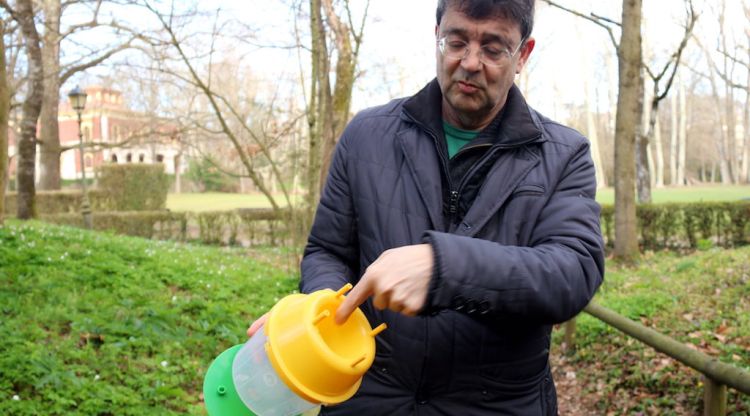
255,326
399,280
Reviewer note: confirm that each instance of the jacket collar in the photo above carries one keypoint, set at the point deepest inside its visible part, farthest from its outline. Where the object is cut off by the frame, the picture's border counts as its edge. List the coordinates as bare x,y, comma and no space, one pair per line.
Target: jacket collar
516,124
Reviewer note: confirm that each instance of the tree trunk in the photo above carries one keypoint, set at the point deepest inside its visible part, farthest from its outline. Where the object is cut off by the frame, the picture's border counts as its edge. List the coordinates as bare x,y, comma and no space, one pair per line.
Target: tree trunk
346,62
658,155
722,146
31,108
4,112
177,173
49,134
628,114
643,176
713,172
682,136
328,111
317,109
731,137
673,139
745,176
591,130
730,173
643,172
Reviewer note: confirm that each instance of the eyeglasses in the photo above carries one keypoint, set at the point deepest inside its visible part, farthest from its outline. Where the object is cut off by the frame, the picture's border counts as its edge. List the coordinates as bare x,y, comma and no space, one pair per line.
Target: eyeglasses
491,54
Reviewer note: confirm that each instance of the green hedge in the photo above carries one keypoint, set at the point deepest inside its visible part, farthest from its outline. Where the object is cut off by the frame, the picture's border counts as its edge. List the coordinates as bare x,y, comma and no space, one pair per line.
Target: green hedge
686,225
240,227
163,225
134,186
661,226
251,226
124,187
59,202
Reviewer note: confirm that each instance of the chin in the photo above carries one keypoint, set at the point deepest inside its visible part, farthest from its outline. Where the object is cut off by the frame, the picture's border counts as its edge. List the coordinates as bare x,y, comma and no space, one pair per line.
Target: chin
466,106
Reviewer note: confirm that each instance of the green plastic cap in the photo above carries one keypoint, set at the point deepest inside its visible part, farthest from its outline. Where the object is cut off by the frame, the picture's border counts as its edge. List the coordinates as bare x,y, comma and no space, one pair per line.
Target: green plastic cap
219,394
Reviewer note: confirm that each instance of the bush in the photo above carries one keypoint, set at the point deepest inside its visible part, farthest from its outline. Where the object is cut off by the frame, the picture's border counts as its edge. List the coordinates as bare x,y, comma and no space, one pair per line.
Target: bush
255,226
250,227
134,186
164,225
686,225
57,202
204,173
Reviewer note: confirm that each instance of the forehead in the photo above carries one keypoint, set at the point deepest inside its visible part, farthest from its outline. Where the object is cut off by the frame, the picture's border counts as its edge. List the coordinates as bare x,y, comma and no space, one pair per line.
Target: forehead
498,25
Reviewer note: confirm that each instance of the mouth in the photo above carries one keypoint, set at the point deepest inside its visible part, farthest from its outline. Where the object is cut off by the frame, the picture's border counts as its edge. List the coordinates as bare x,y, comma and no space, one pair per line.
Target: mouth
467,87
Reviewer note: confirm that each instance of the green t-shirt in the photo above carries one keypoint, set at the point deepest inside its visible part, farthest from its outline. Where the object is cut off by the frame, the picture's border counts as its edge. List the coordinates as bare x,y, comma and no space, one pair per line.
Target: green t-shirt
457,138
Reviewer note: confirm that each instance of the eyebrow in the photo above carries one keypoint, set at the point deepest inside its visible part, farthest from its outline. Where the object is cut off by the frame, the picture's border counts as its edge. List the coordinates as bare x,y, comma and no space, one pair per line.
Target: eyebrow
486,37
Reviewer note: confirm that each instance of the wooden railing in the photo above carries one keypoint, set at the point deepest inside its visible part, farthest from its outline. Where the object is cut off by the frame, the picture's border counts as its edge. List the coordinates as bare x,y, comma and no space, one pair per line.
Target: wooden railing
717,375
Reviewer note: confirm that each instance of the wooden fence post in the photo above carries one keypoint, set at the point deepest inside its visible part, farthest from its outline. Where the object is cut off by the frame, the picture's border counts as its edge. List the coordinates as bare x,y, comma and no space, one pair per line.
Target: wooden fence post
570,335
714,398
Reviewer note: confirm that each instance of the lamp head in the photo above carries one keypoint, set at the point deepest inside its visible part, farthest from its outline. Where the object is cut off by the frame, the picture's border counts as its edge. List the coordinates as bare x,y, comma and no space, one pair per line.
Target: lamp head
77,99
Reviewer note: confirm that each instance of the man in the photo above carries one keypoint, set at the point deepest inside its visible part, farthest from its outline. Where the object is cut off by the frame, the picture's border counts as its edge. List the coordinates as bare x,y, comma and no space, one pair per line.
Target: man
468,223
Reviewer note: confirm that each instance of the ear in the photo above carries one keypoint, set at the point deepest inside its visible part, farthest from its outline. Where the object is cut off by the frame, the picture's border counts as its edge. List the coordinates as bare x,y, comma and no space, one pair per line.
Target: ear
524,53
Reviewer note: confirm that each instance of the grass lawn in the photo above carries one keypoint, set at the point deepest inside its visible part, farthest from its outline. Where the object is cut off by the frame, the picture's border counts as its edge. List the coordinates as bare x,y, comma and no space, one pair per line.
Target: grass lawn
100,324
686,194
216,201
702,300
197,202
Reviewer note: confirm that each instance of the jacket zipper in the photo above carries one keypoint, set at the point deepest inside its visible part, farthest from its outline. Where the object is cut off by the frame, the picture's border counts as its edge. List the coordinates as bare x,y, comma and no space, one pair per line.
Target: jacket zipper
443,156
455,193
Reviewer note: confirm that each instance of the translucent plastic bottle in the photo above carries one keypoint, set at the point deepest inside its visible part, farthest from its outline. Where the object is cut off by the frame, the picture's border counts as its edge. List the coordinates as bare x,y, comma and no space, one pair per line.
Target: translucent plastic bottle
300,359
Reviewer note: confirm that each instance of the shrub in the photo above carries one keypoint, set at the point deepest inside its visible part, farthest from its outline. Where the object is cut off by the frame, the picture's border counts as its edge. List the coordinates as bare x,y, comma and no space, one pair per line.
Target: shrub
686,225
204,173
247,226
163,225
58,202
134,186
256,226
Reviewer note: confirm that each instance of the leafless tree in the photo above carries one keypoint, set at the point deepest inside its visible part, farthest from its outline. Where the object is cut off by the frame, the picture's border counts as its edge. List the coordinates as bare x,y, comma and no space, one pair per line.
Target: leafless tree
661,84
333,34
629,107
23,13
227,118
56,74
4,112
727,61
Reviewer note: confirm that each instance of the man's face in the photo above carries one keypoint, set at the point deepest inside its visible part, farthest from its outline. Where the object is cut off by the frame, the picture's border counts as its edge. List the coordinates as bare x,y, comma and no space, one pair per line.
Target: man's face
473,91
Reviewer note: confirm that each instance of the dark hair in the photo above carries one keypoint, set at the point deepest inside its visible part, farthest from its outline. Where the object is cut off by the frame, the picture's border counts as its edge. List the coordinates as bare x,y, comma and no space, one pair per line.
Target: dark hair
520,11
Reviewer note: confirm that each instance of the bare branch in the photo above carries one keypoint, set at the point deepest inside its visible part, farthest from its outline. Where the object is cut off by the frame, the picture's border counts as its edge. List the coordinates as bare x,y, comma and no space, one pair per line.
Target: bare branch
597,20
606,19
674,61
86,25
166,25
94,62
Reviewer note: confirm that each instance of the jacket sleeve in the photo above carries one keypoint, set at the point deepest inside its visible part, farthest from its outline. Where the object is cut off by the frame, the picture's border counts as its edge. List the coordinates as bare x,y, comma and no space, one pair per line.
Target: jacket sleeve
331,255
549,281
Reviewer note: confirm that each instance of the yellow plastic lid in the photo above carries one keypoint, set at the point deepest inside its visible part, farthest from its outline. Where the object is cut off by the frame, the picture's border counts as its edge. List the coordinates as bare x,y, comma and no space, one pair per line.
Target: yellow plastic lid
319,360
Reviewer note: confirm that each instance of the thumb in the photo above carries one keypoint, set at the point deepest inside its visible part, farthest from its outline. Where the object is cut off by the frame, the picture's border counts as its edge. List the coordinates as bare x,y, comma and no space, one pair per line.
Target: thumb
356,297
257,325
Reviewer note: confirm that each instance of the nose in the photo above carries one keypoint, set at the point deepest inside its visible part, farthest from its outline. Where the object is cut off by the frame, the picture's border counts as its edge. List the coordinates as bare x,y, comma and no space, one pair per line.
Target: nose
472,60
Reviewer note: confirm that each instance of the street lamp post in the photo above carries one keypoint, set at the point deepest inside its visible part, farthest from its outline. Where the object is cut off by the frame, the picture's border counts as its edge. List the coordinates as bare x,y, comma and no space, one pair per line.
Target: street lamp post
78,102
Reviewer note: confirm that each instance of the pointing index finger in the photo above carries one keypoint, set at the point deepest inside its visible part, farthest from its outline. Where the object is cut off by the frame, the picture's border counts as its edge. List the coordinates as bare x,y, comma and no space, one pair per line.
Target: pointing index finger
356,297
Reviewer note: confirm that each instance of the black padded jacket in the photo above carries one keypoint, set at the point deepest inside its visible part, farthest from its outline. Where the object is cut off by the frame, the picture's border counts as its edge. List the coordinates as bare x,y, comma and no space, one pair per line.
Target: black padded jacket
522,250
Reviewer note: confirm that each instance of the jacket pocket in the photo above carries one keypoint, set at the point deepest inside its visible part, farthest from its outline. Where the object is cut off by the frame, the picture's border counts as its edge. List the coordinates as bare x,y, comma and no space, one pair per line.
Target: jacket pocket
517,396
528,190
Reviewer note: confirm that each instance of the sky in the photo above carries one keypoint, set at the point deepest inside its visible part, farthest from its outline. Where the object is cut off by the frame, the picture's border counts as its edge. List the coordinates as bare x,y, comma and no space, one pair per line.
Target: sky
398,54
